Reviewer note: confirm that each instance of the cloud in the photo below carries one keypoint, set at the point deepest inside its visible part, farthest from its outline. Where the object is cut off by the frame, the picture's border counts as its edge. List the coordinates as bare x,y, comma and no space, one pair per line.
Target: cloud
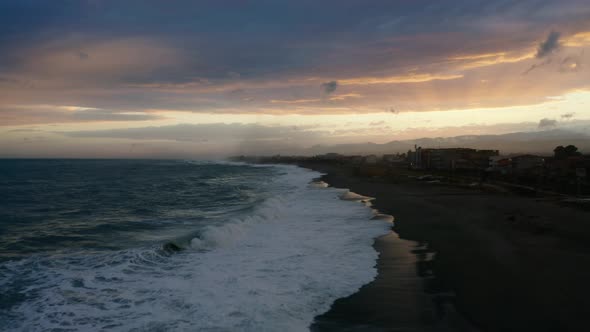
548,46
579,39
473,61
233,75
345,96
570,64
547,123
410,78
108,61
537,65
568,116
330,87
112,61
83,55
377,123
339,97
44,114
215,132
24,130
294,101
108,115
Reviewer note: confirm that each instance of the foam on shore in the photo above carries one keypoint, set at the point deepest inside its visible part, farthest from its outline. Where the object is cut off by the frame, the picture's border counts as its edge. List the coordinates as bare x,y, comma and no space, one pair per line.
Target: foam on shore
352,196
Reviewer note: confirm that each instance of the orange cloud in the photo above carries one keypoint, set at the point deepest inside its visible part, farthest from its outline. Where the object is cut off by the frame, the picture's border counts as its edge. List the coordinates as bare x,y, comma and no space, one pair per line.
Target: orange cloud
305,101
472,61
478,56
578,40
410,78
296,101
345,96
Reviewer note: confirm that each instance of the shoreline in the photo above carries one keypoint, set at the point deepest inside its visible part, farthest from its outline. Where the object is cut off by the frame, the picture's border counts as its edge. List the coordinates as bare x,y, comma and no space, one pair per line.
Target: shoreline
505,262
384,303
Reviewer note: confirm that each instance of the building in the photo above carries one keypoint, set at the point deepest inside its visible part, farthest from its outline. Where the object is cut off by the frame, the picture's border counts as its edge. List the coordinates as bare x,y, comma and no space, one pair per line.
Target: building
414,158
371,159
527,162
500,164
451,158
395,160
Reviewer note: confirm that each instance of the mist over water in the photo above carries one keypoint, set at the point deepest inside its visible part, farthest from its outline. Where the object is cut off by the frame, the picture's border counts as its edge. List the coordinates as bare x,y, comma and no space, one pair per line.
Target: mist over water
255,248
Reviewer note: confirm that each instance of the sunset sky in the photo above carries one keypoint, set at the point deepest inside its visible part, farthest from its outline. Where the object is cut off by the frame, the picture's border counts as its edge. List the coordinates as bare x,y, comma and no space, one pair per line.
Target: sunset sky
209,78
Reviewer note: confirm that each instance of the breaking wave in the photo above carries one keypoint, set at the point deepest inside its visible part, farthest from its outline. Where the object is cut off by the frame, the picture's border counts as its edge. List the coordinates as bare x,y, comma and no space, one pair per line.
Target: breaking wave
274,268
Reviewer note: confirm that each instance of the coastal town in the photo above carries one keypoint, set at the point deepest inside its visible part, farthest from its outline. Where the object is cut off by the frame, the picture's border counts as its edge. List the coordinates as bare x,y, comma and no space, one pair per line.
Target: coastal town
565,171
488,220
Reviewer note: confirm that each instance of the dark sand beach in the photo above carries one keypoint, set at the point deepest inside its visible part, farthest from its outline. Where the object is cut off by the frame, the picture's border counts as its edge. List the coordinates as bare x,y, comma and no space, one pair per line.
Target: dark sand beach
501,262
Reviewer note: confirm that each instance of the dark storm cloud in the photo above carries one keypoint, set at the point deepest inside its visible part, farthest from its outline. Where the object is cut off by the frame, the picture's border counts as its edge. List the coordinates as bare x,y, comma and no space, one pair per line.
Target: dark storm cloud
550,44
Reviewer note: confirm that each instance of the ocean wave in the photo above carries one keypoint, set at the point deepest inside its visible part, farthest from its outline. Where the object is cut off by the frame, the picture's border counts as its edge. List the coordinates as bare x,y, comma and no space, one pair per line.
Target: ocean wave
275,268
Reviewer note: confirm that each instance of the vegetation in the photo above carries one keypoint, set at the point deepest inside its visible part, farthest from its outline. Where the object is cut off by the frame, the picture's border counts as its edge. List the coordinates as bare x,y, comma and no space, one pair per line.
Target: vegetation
561,152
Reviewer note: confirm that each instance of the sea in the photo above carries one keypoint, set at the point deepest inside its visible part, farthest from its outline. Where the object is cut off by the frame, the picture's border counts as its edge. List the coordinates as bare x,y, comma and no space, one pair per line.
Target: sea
176,245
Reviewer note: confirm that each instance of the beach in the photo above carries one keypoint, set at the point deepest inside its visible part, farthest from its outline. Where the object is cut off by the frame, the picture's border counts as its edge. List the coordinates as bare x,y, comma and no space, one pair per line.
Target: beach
467,260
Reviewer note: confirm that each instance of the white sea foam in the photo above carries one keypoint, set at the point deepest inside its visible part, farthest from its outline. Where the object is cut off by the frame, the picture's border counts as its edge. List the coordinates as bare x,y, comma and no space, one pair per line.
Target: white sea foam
318,184
272,270
385,217
352,196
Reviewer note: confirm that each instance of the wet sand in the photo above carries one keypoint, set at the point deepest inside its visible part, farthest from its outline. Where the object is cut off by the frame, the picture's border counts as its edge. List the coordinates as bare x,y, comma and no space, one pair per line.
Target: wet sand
504,262
396,299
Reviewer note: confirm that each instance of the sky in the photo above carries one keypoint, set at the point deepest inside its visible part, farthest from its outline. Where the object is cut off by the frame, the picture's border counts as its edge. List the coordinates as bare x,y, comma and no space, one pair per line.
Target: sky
184,79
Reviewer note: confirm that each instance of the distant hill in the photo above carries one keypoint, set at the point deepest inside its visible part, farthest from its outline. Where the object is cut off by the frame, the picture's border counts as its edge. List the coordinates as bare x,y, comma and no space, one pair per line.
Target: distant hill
540,142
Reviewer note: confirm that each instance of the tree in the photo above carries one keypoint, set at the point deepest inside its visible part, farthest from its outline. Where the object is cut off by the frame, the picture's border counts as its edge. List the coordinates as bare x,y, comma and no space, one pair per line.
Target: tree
571,150
561,152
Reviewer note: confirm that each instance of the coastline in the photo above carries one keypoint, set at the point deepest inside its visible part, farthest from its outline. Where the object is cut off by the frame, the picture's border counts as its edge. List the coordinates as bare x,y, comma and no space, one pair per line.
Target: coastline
398,298
505,262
